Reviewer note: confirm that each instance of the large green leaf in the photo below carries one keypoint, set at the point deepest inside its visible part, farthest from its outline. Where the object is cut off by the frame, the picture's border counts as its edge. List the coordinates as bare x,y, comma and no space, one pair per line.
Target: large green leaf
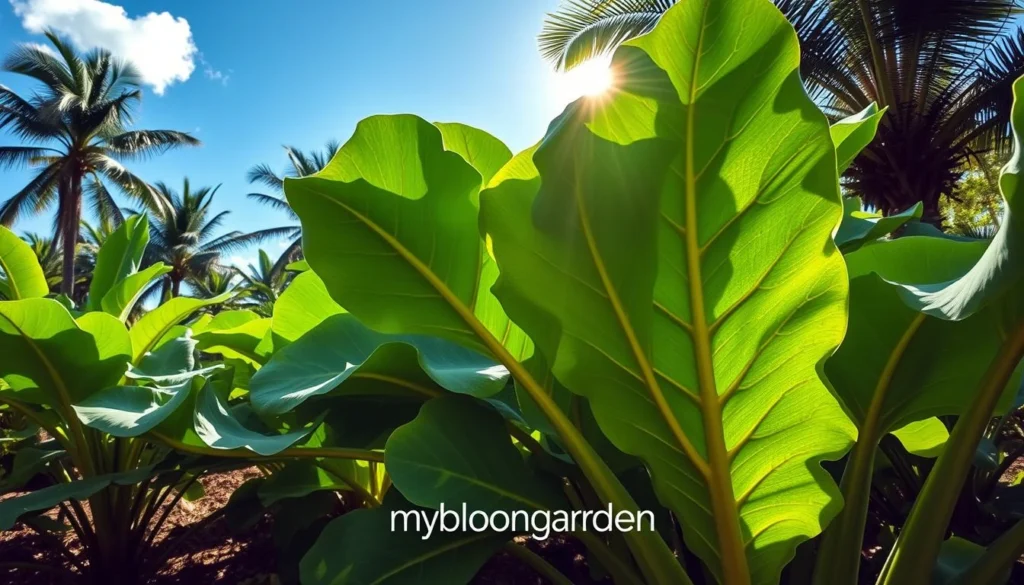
219,428
119,256
851,135
484,152
302,306
152,327
363,548
130,411
43,499
993,290
341,347
244,342
897,366
49,358
672,255
924,438
122,296
998,276
456,451
409,208
21,277
860,227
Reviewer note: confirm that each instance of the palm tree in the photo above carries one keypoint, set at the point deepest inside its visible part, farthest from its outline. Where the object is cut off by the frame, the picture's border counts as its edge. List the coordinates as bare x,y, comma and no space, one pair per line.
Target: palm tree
264,282
300,164
182,235
944,68
76,127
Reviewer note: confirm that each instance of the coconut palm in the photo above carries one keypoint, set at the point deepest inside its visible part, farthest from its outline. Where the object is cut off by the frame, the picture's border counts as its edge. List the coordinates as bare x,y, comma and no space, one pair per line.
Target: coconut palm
76,127
182,235
944,68
264,282
300,164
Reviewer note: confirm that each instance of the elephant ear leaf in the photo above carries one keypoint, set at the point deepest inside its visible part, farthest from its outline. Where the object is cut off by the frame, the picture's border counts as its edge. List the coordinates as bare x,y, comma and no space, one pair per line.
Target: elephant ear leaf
410,259
21,276
999,273
50,358
682,276
119,257
852,135
384,545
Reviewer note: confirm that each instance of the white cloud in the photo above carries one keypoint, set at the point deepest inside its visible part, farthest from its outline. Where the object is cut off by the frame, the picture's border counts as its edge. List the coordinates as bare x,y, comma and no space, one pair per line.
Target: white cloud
241,261
159,44
214,74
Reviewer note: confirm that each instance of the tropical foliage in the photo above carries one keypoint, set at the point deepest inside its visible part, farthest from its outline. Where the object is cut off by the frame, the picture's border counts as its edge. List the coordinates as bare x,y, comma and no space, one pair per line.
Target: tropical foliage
184,235
664,305
77,126
300,164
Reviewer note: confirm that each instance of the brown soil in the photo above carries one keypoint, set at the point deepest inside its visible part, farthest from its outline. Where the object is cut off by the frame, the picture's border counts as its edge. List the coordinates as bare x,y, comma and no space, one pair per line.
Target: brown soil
210,555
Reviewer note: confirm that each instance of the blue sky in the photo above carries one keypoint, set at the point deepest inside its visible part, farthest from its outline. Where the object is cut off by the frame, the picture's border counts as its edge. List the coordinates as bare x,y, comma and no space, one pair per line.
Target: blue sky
263,73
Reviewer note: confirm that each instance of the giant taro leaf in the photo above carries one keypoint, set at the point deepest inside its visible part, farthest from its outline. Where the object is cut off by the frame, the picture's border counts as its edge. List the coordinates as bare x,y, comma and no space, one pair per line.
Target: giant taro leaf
21,277
672,254
152,328
48,357
391,228
898,366
371,546
456,451
341,348
119,256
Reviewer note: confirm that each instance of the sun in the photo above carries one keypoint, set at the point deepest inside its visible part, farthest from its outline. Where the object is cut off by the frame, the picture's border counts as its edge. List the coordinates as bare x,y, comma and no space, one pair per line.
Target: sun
593,78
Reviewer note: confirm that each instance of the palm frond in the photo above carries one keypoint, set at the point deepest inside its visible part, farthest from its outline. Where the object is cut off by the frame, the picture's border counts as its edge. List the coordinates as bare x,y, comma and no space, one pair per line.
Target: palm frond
102,202
237,240
137,144
265,175
32,195
584,29
12,157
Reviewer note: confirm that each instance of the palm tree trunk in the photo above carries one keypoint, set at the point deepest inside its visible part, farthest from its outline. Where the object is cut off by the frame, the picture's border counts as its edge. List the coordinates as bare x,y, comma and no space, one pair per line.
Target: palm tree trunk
70,215
175,286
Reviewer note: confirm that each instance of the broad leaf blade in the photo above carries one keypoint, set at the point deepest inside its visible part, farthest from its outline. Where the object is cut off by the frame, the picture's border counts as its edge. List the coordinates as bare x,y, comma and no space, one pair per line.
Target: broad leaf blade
21,277
122,296
457,451
410,260
119,257
341,348
851,135
681,275
152,327
49,358
361,547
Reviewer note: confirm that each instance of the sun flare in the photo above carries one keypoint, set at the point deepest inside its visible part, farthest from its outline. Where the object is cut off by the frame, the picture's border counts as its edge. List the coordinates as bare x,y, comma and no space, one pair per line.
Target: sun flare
593,78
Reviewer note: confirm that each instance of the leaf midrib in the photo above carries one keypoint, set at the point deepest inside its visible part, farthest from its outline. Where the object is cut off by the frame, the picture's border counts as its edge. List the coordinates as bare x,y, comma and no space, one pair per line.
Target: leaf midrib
734,568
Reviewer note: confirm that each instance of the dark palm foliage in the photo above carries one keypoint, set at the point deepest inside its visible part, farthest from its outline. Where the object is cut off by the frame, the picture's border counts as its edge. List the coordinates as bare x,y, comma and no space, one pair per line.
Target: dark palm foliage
182,235
300,164
264,283
944,68
76,134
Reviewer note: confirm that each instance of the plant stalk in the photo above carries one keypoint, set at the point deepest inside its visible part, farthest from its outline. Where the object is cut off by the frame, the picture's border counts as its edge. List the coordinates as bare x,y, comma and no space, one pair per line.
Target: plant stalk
914,555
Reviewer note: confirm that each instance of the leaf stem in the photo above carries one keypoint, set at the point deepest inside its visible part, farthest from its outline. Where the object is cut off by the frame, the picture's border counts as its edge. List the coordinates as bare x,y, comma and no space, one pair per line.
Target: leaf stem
913,558
291,453
537,563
